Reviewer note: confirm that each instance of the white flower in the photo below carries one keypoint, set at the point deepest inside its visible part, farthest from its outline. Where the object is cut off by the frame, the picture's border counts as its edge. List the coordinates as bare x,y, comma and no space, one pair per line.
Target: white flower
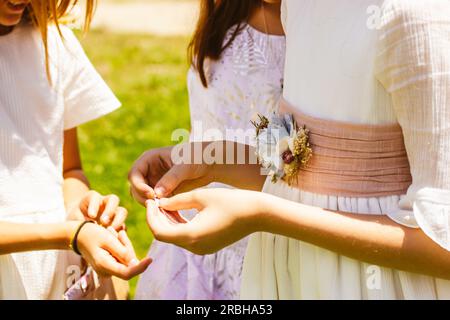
272,143
267,149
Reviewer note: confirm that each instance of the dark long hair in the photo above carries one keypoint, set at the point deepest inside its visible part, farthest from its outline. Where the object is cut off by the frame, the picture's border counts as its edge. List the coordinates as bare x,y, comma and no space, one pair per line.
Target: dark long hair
216,18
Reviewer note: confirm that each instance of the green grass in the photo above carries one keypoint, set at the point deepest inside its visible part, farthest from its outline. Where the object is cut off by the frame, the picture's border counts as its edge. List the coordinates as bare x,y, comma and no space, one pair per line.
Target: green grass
148,75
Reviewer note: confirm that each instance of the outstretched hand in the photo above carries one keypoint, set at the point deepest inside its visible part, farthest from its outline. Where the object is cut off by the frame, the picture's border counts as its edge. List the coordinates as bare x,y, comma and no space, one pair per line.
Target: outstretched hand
225,216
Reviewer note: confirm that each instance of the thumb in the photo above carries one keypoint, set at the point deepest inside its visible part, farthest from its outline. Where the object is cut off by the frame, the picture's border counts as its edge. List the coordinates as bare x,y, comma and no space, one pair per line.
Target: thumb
188,200
171,180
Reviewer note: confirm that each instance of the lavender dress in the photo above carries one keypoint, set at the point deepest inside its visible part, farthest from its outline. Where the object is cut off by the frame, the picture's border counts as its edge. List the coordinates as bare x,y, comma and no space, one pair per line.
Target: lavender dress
245,82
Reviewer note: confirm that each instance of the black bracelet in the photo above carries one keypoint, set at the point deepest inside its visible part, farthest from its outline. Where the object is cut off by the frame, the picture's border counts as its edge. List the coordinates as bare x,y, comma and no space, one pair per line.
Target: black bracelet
74,241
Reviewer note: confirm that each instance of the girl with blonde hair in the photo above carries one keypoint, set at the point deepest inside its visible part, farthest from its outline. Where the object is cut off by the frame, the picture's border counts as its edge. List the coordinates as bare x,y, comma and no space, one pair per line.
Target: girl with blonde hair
48,88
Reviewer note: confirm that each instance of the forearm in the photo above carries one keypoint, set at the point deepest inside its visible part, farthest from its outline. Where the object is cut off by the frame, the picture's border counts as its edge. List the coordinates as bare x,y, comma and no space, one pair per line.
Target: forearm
30,237
371,238
239,167
75,187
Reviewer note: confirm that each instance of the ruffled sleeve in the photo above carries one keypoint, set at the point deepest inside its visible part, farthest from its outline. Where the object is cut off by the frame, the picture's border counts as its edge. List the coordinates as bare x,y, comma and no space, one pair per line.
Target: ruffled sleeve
86,95
413,64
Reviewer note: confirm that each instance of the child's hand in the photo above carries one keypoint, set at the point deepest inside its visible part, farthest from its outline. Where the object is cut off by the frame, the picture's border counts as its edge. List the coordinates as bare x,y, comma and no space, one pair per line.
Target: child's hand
110,253
105,210
225,217
155,175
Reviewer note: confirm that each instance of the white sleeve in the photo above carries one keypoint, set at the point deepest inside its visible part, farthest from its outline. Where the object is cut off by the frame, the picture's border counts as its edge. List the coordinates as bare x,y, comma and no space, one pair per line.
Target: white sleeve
86,95
413,64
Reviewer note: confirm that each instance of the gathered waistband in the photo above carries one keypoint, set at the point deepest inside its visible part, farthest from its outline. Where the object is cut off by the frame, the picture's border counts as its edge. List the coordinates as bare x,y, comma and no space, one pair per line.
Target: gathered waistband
352,160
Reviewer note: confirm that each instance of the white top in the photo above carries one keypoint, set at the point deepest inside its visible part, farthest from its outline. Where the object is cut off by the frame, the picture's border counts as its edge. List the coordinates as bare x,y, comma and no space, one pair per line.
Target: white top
231,101
33,117
374,62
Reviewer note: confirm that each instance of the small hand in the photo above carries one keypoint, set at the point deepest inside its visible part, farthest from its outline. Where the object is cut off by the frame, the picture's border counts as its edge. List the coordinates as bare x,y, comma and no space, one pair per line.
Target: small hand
105,210
110,253
225,216
154,175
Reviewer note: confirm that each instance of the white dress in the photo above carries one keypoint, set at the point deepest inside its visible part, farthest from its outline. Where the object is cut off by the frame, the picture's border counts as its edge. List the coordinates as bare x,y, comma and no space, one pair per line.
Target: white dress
244,82
366,62
33,117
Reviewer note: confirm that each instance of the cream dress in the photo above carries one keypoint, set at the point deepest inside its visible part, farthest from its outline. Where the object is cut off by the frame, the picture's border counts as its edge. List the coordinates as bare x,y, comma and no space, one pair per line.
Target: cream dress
366,62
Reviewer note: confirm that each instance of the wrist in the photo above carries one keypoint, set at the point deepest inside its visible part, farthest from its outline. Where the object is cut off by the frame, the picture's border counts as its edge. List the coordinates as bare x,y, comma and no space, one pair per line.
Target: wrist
70,230
74,241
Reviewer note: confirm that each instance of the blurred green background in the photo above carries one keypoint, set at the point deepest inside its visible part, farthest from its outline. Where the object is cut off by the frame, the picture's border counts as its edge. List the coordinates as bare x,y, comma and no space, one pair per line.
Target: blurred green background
148,74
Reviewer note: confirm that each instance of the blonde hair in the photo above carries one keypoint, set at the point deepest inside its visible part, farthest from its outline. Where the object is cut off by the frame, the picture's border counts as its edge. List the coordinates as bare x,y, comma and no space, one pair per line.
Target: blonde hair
45,12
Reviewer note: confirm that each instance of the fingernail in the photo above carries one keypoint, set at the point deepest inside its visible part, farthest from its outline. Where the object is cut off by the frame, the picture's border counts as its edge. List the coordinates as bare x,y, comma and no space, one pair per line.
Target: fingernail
134,262
160,191
105,219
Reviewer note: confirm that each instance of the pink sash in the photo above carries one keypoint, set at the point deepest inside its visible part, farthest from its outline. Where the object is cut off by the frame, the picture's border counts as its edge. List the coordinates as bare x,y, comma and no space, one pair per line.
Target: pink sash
351,159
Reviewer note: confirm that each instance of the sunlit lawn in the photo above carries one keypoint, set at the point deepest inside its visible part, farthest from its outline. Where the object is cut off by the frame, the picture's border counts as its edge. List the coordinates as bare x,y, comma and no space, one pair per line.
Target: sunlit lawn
148,76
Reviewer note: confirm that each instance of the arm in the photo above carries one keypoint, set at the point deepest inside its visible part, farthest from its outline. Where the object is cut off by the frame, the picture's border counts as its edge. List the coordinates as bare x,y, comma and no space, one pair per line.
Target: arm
29,237
164,171
244,172
107,253
373,239
227,216
76,185
80,201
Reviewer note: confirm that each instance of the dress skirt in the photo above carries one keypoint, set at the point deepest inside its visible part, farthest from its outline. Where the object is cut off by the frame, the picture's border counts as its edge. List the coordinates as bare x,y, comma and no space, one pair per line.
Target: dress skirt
276,267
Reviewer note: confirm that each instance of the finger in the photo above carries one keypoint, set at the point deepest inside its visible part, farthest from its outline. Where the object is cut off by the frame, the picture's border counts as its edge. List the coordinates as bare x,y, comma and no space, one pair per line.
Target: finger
159,224
173,216
95,200
137,269
117,250
138,197
110,204
165,229
123,237
113,231
188,200
119,219
171,180
137,178
109,266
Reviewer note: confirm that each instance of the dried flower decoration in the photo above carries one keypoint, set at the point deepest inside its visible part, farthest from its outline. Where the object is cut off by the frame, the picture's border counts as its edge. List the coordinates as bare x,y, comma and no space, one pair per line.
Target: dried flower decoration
282,147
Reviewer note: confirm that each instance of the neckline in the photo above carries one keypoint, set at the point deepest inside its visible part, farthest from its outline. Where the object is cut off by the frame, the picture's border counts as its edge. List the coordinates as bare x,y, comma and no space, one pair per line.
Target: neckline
261,33
16,30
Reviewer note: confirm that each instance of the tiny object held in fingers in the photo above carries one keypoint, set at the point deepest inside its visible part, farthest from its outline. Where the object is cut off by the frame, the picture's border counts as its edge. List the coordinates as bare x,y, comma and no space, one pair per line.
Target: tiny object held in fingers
173,216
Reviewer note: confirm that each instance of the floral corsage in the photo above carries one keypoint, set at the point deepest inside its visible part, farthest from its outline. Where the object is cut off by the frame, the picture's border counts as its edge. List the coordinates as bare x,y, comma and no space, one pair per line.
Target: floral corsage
282,147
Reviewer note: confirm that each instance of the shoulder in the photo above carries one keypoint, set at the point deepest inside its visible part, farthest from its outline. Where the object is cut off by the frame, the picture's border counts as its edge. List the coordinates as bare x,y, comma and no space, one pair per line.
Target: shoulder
412,12
414,22
238,30
63,36
65,42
